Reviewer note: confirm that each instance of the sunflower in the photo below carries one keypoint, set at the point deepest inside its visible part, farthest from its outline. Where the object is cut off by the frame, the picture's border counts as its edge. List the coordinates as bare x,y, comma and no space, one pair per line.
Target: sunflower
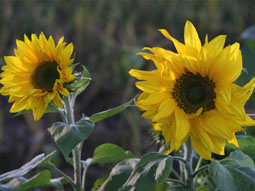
36,75
191,93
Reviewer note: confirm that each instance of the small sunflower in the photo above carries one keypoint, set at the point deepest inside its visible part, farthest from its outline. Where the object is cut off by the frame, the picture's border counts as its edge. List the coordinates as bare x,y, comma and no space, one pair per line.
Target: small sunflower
191,93
35,76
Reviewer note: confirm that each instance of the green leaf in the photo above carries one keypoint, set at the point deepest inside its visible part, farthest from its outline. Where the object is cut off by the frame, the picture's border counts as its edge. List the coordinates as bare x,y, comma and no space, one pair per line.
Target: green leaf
24,169
109,113
109,153
6,187
80,83
239,158
42,179
46,163
59,182
235,173
162,187
119,175
67,137
247,146
152,169
99,182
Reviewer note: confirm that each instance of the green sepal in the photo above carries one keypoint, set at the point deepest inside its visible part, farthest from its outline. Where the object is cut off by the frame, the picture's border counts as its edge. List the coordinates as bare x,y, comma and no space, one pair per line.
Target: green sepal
67,137
109,113
80,83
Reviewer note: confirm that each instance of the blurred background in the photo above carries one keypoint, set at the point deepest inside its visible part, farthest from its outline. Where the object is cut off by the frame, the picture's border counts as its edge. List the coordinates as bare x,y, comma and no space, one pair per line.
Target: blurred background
106,35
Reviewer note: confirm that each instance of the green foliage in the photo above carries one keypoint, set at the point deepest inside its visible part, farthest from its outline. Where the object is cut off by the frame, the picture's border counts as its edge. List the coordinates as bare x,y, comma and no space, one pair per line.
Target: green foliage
6,187
24,169
235,173
162,186
109,113
99,182
247,146
153,168
42,179
67,137
46,162
119,175
109,153
148,173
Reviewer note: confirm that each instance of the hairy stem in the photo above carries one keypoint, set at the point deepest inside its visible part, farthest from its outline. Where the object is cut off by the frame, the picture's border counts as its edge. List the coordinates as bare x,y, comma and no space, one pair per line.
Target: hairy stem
77,150
64,175
188,156
200,170
176,181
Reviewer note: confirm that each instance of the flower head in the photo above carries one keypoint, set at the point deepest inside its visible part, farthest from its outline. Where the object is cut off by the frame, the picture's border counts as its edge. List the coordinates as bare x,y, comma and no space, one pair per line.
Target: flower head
35,76
191,93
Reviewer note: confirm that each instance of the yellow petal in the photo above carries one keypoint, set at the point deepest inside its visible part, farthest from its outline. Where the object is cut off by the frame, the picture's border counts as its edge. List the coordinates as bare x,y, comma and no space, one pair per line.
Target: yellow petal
68,51
157,126
166,108
154,98
39,109
58,101
151,86
218,145
19,105
182,124
215,124
191,37
244,93
224,95
233,140
200,148
179,46
200,134
215,46
144,75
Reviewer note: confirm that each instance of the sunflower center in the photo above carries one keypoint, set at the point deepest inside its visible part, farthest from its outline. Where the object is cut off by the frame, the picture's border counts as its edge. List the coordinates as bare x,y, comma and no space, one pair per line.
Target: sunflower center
193,91
45,75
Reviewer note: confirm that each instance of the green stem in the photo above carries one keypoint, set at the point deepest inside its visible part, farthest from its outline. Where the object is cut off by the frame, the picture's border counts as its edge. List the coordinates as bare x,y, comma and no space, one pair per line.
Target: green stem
77,168
64,175
176,174
188,156
69,103
176,181
200,170
179,158
199,163
84,176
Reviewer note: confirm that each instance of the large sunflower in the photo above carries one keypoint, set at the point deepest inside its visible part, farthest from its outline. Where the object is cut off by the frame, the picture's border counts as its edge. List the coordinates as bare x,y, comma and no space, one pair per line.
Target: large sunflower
191,93
36,74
